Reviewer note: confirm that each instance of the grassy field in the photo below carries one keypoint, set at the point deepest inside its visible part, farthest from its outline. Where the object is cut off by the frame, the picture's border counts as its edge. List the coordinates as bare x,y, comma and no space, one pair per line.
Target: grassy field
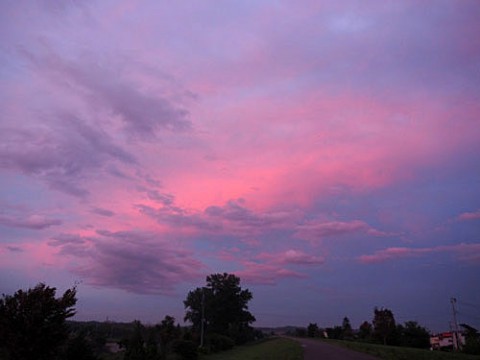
272,349
401,353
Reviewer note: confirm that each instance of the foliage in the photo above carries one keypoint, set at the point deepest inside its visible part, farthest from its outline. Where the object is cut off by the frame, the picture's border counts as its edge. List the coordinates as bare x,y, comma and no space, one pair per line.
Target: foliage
313,330
218,342
347,332
33,322
187,350
225,307
168,332
472,340
79,348
271,349
151,348
384,326
135,345
414,335
365,331
335,333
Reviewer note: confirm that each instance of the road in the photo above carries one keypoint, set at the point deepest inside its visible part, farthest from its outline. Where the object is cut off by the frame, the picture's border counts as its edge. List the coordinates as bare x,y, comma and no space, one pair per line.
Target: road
320,350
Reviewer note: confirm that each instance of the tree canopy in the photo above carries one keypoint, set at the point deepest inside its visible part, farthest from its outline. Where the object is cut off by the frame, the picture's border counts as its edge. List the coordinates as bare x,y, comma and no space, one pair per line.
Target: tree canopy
225,307
384,325
32,322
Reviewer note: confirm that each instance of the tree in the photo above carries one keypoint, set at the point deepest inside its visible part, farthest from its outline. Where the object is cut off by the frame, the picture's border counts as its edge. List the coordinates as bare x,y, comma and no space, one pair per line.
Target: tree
414,335
347,332
384,325
313,330
472,340
365,331
224,305
32,322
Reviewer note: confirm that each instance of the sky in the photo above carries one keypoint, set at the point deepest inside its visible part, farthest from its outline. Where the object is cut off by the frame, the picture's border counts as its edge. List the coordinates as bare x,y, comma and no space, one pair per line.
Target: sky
326,152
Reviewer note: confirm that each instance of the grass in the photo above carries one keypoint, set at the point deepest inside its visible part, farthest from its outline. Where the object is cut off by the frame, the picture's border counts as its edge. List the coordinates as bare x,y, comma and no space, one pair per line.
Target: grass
271,349
401,353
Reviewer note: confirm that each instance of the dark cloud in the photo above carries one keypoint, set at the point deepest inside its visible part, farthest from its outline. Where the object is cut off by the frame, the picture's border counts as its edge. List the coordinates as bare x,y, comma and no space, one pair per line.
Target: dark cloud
102,212
178,217
314,230
62,155
14,249
155,195
137,262
232,218
33,222
63,239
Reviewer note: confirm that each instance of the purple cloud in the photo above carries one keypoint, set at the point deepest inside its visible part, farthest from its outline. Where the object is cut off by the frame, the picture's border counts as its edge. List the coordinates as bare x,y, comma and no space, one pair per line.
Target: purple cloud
142,114
102,212
137,262
266,274
292,257
464,251
32,222
315,230
61,156
231,218
470,215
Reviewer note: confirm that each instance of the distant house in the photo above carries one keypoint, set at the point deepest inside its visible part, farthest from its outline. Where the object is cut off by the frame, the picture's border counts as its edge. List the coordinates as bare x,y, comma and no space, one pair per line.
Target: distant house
445,340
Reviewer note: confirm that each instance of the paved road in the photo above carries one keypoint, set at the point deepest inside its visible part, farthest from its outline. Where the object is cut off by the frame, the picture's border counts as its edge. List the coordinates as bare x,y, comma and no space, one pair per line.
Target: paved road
319,350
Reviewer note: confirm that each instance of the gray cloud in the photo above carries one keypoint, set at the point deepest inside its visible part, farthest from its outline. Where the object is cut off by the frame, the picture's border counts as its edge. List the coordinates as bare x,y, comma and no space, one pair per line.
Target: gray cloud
137,262
102,212
33,222
62,155
142,114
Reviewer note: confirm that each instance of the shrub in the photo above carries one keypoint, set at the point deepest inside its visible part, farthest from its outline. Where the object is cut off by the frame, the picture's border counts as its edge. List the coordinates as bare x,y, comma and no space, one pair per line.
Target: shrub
187,350
220,342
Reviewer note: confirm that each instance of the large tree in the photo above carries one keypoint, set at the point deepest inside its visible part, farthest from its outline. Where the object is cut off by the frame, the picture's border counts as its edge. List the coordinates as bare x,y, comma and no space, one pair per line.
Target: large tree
414,335
384,326
347,332
32,322
224,305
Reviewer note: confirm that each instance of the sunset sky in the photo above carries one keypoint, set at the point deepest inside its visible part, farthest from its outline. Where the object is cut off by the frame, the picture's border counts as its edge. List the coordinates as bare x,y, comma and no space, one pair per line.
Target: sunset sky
326,152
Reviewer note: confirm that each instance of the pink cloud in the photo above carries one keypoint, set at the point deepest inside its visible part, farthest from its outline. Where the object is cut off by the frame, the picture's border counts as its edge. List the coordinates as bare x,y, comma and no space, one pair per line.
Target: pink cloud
34,222
291,257
470,215
467,252
316,230
265,274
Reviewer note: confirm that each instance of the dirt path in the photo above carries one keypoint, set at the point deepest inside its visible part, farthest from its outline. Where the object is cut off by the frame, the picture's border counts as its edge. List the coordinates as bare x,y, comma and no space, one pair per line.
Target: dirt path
319,350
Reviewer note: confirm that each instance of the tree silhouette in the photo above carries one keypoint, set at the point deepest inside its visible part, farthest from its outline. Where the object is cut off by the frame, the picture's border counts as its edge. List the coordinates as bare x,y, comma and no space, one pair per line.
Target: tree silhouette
347,332
384,325
224,305
32,322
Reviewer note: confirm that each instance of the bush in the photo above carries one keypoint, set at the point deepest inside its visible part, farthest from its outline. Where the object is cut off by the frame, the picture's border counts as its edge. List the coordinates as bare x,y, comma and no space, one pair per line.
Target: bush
187,350
220,342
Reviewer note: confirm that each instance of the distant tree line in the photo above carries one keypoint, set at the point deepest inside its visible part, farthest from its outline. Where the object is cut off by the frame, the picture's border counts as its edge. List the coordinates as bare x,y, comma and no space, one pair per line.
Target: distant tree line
383,329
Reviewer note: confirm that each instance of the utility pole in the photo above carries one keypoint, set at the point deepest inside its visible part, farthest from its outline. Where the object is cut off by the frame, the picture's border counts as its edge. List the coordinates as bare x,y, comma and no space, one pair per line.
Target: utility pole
203,318
456,339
